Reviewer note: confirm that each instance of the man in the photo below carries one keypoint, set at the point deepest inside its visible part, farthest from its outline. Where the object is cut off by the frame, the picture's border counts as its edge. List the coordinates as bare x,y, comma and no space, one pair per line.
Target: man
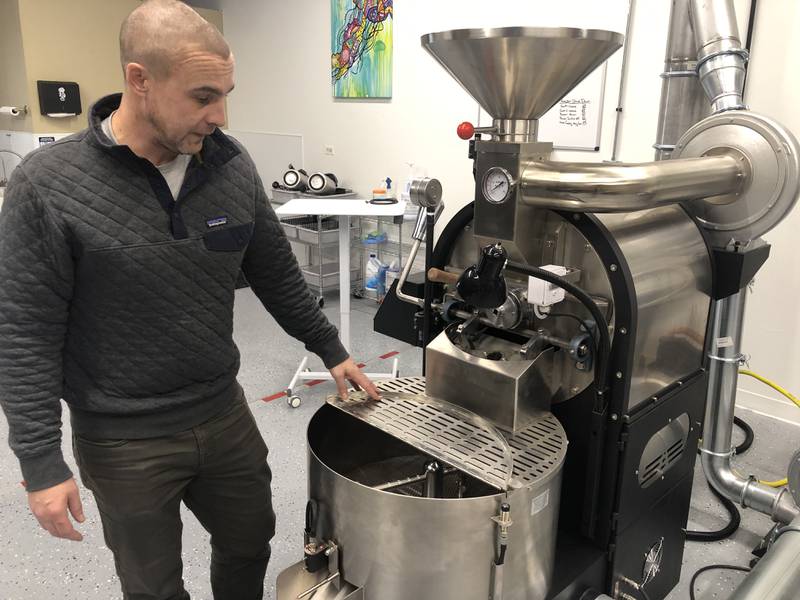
120,248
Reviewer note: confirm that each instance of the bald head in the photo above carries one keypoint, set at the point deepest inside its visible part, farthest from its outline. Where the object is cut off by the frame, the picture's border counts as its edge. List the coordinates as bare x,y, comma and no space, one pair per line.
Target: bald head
157,33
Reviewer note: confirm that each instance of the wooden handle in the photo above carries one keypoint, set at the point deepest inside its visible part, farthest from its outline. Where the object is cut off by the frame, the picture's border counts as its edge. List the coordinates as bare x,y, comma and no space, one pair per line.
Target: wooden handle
439,276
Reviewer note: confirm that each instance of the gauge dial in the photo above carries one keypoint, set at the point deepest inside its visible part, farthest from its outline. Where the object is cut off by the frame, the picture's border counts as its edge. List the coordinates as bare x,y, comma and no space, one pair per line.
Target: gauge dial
497,185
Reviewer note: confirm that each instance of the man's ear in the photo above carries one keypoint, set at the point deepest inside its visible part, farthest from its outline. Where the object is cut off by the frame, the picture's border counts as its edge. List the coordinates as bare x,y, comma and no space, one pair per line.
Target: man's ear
137,78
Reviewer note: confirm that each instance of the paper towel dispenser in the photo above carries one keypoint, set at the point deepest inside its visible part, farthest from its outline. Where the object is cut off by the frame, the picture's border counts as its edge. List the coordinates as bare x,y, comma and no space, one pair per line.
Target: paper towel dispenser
59,98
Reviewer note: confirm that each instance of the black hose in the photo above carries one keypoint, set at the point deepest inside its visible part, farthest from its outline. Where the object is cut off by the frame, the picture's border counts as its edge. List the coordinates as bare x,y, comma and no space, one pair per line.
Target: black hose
427,316
604,350
709,568
748,44
734,521
734,517
751,26
449,236
749,436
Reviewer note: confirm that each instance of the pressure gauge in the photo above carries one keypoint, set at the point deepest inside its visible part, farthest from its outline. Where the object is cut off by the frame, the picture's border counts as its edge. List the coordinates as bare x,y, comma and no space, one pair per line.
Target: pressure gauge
497,185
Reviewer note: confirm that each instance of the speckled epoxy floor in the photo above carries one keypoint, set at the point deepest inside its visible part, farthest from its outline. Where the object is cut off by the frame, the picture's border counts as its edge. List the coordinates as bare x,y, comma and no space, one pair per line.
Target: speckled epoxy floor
34,566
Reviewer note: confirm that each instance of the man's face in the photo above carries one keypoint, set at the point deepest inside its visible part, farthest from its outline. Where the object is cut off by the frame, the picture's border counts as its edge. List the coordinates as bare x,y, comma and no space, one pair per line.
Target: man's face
189,103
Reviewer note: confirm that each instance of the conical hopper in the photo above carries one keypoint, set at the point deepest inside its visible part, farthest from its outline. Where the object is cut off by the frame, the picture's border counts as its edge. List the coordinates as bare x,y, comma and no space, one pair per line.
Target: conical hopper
520,72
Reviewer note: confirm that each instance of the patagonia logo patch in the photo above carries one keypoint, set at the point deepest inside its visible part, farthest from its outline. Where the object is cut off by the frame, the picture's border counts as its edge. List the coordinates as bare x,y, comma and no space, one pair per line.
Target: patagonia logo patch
216,222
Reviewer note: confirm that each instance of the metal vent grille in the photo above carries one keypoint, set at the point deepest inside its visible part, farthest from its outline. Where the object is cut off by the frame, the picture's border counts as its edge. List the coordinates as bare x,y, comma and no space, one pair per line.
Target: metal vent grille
660,465
538,449
459,437
663,451
407,385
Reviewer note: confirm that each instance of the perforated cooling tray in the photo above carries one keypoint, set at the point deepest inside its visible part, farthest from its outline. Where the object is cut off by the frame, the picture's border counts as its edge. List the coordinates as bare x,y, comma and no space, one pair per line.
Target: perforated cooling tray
459,437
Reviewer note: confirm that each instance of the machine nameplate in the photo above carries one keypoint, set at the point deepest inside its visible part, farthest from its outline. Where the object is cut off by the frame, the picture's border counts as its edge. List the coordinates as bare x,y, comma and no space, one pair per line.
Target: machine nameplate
540,502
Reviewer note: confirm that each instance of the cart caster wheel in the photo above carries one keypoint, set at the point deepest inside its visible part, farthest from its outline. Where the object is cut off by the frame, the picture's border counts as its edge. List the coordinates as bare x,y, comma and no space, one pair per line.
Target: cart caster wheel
294,401
358,294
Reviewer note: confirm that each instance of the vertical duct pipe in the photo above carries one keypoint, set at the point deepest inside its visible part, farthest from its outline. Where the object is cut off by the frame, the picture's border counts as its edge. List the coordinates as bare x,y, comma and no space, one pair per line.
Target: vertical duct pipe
717,447
721,59
682,100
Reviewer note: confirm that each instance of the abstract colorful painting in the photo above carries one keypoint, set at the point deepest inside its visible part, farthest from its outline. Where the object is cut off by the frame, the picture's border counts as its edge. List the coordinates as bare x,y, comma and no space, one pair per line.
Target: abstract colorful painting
361,48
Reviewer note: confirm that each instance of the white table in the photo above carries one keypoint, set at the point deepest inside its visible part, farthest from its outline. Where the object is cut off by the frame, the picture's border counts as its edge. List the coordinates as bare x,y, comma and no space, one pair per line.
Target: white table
344,209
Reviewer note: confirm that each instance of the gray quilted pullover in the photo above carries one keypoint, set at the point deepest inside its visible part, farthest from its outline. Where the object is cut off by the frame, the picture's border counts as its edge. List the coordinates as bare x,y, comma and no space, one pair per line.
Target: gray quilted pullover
119,299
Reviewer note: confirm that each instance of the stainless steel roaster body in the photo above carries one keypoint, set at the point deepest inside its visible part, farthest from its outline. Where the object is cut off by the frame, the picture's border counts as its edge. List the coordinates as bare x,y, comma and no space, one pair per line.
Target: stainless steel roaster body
399,545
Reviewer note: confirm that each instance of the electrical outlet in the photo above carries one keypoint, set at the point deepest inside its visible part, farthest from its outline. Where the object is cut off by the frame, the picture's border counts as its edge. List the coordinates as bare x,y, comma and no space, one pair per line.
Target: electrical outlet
328,149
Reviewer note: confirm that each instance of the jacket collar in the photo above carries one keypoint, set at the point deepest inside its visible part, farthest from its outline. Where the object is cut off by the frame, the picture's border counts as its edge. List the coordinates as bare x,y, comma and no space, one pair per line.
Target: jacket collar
217,147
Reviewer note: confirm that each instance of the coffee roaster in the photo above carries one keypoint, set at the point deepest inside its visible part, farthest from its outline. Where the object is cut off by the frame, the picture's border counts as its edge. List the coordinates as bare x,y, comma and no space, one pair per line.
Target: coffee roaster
580,323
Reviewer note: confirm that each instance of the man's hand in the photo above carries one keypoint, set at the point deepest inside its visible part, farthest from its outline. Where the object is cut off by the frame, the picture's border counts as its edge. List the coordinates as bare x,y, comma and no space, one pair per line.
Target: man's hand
50,505
349,371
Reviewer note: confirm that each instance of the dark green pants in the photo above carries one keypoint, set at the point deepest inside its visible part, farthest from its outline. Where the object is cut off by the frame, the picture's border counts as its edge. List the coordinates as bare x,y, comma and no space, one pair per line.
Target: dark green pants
219,470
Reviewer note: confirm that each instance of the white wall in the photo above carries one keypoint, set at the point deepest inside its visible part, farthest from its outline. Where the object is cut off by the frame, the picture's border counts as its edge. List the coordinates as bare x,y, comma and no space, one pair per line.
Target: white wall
772,329
283,86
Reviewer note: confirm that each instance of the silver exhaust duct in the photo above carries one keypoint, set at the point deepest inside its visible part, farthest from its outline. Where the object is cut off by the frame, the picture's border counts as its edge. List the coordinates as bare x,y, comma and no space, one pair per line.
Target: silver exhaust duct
721,67
616,187
776,576
713,51
720,57
716,450
683,102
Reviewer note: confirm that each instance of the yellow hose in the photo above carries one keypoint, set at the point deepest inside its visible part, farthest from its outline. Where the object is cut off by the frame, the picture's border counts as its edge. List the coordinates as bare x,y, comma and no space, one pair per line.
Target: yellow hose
771,384
780,390
775,484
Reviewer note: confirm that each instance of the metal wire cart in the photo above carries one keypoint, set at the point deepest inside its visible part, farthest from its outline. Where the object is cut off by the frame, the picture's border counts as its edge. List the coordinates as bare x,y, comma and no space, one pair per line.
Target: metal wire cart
315,241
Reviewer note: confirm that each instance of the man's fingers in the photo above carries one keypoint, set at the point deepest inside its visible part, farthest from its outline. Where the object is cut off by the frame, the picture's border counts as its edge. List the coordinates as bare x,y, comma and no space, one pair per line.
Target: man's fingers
341,386
75,506
64,529
348,371
371,389
52,507
49,527
60,528
363,382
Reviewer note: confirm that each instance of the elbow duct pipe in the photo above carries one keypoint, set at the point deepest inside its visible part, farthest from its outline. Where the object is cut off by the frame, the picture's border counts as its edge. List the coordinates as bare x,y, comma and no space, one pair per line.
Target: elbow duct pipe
720,57
716,448
587,187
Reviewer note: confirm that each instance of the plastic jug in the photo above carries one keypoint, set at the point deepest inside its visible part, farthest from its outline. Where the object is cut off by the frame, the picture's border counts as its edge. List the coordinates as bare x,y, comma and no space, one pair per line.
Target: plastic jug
373,273
382,281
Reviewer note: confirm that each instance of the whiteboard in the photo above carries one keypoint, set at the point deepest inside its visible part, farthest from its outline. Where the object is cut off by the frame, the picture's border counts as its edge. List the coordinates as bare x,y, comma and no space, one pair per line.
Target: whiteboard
271,152
576,121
